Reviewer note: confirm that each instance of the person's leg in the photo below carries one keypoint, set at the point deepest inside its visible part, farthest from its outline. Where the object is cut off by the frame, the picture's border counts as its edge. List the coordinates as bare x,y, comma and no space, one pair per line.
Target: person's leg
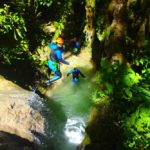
49,71
51,68
57,75
75,80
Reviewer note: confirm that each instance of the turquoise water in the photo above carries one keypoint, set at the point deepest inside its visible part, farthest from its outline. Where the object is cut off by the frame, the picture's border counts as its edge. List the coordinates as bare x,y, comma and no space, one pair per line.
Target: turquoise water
68,111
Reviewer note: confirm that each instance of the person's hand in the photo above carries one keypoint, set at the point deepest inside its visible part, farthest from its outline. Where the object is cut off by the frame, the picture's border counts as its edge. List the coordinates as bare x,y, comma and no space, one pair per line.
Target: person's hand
71,63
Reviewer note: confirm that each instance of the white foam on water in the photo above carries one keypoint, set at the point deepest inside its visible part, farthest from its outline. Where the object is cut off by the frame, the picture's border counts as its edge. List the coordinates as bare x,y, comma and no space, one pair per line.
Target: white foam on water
74,130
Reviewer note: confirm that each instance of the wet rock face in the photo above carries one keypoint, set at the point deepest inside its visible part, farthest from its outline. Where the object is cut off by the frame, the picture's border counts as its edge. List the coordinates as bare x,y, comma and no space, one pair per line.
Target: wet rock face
16,115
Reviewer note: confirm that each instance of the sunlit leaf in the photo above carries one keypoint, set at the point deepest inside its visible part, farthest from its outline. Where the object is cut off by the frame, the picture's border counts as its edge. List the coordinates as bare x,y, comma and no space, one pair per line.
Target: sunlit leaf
15,37
19,33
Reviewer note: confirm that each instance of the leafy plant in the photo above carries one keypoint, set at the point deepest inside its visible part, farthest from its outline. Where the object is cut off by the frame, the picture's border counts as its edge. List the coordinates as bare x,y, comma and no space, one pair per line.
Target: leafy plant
11,21
105,34
124,87
12,26
137,127
47,3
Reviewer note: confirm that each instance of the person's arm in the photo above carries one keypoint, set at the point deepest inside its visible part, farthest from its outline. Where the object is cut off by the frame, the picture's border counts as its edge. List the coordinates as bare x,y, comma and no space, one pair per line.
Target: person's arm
81,74
53,45
70,72
77,44
59,56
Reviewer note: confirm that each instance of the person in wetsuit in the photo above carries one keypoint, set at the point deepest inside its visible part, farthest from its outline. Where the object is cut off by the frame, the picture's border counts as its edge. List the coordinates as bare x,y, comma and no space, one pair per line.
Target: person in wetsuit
55,60
75,45
75,74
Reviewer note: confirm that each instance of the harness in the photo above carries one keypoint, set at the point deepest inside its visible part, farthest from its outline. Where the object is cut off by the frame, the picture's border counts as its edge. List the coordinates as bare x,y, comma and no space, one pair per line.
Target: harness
75,74
53,56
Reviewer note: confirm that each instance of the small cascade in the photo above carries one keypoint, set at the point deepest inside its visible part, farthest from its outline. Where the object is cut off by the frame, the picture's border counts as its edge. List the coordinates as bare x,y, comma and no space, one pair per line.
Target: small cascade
36,102
67,107
66,117
74,130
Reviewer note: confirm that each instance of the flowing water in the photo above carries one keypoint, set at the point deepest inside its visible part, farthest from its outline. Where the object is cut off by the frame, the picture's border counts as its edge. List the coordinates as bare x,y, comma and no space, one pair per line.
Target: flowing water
69,107
66,112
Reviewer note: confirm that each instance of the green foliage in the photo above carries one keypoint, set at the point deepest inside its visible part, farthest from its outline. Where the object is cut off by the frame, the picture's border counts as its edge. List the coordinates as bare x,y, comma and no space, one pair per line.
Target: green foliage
102,30
8,55
137,127
11,21
118,80
59,28
131,5
12,26
91,3
125,88
143,62
98,96
147,44
104,35
130,78
64,11
47,3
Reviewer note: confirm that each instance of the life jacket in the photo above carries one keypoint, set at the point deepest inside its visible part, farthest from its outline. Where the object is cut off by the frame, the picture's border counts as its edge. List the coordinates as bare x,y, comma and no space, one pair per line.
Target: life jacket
74,44
53,56
54,47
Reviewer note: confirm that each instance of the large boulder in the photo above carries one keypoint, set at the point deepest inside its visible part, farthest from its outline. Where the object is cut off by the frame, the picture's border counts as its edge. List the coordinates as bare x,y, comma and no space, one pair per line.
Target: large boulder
17,116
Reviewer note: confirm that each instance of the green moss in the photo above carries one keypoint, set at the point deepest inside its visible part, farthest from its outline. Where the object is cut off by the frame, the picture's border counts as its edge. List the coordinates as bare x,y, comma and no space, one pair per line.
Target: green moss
86,140
104,35
91,3
110,7
138,126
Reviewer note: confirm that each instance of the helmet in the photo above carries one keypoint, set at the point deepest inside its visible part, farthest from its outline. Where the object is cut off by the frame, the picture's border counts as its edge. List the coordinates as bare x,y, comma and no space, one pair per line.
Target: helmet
60,40
74,65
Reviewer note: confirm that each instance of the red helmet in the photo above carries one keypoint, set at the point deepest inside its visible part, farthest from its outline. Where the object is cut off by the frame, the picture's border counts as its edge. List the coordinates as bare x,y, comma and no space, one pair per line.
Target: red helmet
60,40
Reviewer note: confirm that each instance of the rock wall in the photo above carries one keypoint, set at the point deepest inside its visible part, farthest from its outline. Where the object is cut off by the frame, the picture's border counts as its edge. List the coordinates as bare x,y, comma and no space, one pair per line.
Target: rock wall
16,115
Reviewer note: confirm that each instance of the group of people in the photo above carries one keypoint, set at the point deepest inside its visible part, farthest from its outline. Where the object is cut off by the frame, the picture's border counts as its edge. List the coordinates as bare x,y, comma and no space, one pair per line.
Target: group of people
55,60
73,44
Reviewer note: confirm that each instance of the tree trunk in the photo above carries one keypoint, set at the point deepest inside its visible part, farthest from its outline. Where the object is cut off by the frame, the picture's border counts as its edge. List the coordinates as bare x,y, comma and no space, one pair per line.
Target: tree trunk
31,24
89,27
115,45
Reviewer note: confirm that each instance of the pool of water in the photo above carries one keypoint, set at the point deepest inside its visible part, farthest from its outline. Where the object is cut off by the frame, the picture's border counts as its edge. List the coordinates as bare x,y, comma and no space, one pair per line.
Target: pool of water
66,116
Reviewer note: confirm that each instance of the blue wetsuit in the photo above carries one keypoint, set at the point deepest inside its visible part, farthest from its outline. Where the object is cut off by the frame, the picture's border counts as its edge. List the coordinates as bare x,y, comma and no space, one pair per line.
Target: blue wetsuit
75,46
54,62
75,74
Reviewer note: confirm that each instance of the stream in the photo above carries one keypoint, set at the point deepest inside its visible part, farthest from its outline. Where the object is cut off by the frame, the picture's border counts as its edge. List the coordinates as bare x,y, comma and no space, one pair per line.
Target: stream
67,113
66,109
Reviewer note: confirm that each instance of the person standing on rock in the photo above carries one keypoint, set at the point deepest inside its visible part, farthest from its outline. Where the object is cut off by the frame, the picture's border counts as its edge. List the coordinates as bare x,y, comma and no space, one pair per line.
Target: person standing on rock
55,60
